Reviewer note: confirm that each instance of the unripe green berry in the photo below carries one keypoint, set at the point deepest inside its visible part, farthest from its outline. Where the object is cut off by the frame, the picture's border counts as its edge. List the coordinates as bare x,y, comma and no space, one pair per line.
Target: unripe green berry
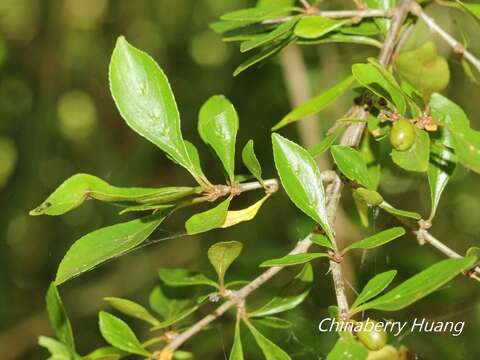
372,338
386,353
402,135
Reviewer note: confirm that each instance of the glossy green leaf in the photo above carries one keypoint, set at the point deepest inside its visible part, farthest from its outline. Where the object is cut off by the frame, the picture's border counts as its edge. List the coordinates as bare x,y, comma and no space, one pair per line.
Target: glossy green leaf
464,139
104,244
264,39
419,285
250,160
270,350
326,142
237,352
296,259
352,164
301,180
58,318
222,255
316,104
208,220
374,287
145,100
182,277
81,187
133,309
417,157
117,333
255,14
424,69
397,212
378,239
312,27
106,353
347,347
373,78
58,350
195,158
342,38
321,240
441,167
383,24
290,296
218,127
235,217
263,55
365,27
273,322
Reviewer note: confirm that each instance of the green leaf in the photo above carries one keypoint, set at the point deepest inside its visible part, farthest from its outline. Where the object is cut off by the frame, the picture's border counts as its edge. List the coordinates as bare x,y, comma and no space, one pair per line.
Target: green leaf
326,142
237,352
280,31
145,207
352,164
374,287
250,160
218,127
383,24
182,277
145,100
58,318
370,76
301,180
290,260
465,140
273,322
106,353
104,244
208,220
342,38
363,28
195,157
133,309
473,9
81,187
262,55
424,69
312,27
397,212
58,350
235,217
347,347
173,304
117,333
222,255
419,285
269,349
316,104
441,167
321,240
377,240
255,14
416,157
290,296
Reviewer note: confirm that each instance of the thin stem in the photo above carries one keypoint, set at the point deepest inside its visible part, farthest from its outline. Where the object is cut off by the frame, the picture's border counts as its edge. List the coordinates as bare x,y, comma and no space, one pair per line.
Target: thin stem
417,10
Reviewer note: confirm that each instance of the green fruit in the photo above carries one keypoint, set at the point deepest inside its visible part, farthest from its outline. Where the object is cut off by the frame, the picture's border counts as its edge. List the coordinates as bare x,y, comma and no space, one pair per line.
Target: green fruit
371,337
387,353
402,135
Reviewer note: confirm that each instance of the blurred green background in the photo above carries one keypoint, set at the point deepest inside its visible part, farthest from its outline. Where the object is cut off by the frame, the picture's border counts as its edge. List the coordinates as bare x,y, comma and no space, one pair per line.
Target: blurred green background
57,119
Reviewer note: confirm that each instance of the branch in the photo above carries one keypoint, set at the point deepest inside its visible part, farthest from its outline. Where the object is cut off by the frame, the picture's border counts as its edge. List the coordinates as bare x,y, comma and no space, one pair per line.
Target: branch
417,10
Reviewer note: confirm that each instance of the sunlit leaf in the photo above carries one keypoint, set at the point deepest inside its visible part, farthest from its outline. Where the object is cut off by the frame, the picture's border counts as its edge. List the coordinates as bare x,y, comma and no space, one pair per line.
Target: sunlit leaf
341,38
104,244
58,350
58,318
352,164
374,287
237,352
222,255
416,158
347,347
419,285
326,142
383,24
312,27
264,39
81,187
290,296
316,104
117,333
218,127
208,220
321,240
133,309
301,180
472,8
378,239
235,217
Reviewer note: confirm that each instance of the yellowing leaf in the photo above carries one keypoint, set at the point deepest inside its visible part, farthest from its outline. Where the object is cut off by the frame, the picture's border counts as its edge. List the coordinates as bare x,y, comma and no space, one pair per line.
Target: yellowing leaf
235,217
